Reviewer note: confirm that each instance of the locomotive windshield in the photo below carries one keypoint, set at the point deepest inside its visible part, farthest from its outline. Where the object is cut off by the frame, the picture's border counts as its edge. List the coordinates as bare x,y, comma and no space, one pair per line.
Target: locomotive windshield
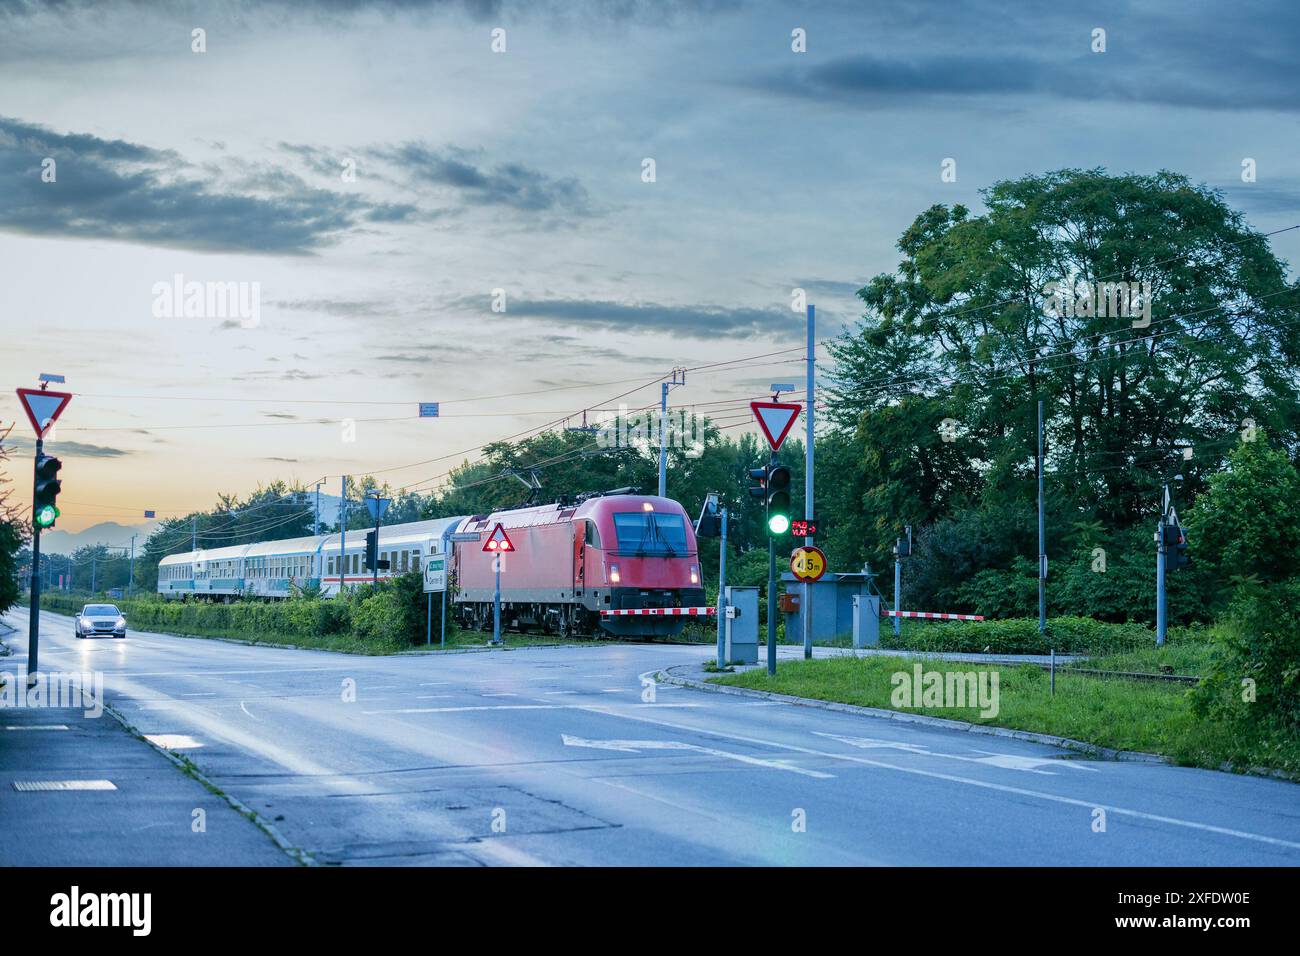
646,533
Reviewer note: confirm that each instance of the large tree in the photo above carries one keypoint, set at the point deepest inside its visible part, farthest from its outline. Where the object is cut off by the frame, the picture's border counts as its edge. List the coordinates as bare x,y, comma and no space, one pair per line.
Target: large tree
937,386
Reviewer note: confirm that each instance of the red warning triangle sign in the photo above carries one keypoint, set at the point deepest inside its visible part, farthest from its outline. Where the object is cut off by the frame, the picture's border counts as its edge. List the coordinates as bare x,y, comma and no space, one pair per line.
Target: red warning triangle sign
43,408
498,541
776,419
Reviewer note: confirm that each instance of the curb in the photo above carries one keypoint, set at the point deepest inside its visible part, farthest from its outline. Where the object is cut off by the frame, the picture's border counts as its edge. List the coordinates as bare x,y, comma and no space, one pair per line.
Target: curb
1065,743
298,855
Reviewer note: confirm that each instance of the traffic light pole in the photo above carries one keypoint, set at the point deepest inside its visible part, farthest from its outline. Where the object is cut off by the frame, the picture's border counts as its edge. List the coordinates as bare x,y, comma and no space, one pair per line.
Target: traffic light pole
898,587
806,603
1162,560
771,597
771,606
722,591
375,579
34,616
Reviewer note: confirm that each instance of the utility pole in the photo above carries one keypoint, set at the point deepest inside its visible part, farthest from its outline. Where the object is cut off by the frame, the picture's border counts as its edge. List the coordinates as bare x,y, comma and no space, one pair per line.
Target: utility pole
194,532
130,580
679,378
806,603
315,524
343,530
722,588
1042,533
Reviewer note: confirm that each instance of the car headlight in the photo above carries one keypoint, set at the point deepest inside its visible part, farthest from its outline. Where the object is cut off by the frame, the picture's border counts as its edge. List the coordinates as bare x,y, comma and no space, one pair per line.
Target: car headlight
121,622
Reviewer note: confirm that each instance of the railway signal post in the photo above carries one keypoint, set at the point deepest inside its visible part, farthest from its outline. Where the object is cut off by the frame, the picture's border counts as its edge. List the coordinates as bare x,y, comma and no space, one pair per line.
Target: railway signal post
497,544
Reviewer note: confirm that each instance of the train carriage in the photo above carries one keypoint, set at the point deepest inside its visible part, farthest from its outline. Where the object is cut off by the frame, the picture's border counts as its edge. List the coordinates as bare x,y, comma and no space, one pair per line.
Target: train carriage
572,560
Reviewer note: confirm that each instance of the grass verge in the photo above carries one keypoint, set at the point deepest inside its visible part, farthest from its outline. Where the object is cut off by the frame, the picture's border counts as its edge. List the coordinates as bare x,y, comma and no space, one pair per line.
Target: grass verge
1120,714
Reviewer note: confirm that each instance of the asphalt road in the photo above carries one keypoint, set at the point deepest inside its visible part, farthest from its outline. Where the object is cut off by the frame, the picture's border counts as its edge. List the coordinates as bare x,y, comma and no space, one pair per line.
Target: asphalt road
564,756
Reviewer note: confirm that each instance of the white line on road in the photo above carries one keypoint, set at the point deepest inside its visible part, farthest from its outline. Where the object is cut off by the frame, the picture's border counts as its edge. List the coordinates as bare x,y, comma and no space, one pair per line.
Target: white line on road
456,710
636,746
1006,761
967,781
247,711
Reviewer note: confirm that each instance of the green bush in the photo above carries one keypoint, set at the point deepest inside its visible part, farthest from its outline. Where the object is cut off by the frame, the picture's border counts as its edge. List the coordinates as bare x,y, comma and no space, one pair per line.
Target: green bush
1068,635
1255,676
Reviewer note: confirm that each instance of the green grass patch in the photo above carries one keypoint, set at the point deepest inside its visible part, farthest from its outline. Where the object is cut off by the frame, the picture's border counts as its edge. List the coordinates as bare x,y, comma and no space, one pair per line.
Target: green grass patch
1120,714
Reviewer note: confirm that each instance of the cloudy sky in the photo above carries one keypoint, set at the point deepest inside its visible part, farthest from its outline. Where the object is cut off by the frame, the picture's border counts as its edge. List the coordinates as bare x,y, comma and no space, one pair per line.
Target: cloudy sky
378,170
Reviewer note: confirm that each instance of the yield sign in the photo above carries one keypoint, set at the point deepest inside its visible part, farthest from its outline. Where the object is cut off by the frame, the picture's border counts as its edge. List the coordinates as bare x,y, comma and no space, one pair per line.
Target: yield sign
43,408
498,541
776,419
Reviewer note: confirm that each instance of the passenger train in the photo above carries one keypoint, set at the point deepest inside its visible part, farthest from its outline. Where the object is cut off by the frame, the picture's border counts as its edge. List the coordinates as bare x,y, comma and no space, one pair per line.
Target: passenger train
571,560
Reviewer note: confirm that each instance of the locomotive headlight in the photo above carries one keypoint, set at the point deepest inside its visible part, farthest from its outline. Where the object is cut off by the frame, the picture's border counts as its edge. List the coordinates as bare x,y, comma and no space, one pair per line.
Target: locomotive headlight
613,574
695,574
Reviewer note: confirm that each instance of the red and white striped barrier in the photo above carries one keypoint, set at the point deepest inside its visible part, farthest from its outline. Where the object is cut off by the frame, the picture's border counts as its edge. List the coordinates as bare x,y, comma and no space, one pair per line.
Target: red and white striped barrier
934,615
669,611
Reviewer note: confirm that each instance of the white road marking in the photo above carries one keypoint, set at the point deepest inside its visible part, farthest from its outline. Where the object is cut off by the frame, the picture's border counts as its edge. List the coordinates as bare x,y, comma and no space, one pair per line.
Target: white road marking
969,782
37,786
173,741
636,746
501,694
456,710
36,727
247,711
199,695
992,758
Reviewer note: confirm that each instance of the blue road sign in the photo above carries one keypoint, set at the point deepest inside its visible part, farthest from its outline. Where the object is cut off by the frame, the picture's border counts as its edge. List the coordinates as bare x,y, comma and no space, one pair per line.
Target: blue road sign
377,506
428,409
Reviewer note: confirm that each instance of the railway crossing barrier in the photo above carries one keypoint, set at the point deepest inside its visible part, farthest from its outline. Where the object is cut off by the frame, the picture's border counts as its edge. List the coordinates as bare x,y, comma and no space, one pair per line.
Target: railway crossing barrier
935,615
669,611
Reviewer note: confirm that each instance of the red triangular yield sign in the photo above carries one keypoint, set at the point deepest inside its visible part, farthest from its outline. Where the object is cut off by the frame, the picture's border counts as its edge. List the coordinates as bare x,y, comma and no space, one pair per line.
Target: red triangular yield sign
43,408
498,541
776,419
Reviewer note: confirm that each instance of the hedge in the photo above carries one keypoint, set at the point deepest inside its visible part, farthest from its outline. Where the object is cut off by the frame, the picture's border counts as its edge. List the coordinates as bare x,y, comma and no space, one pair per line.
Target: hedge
1067,635
366,614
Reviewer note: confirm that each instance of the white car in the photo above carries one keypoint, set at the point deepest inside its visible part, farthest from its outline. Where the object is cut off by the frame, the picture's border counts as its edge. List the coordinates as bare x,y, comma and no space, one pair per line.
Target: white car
100,620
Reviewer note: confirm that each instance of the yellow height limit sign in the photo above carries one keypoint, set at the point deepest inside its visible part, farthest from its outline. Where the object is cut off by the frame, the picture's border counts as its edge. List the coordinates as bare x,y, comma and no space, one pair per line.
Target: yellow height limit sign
808,564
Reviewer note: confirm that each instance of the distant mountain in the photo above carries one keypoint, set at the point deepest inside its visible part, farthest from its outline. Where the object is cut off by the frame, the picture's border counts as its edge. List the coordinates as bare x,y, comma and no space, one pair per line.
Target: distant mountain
108,533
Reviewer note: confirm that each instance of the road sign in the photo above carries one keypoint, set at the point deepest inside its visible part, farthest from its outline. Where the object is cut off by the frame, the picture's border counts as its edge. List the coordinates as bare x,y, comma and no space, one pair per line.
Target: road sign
428,409
377,506
803,527
43,408
149,514
498,541
808,564
776,420
435,572
463,536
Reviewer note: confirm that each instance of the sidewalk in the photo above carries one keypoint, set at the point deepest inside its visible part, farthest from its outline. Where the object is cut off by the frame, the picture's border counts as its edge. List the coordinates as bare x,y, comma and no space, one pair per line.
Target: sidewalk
131,805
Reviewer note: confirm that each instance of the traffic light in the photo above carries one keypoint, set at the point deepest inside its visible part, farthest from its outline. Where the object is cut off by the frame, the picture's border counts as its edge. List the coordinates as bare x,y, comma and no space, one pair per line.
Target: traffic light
1174,538
759,475
372,550
778,498
44,511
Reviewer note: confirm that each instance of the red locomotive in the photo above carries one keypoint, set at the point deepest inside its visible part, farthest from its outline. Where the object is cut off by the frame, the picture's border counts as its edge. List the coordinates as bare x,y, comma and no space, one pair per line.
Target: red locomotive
572,560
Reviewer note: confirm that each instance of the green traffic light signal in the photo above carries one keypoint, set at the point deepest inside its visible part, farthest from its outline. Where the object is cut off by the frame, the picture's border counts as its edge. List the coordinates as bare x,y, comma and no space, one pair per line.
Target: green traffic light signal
46,516
778,498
